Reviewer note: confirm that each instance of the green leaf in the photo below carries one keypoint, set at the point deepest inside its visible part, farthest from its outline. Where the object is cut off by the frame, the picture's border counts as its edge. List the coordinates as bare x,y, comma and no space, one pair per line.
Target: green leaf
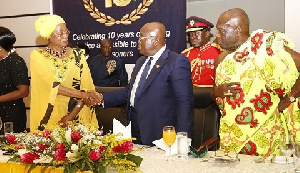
136,159
70,168
44,168
73,168
14,159
32,166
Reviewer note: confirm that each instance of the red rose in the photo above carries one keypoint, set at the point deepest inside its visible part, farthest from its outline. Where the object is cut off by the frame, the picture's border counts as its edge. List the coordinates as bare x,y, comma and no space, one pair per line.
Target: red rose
127,146
95,155
60,146
29,157
46,134
59,155
75,136
11,139
35,134
41,147
124,147
101,148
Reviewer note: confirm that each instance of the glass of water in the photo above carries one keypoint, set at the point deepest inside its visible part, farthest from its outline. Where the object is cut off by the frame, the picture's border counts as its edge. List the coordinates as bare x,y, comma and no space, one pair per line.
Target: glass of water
183,147
8,128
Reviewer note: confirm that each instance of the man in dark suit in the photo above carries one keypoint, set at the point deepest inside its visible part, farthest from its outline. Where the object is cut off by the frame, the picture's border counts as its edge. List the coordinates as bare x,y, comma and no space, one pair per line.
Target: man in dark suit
166,96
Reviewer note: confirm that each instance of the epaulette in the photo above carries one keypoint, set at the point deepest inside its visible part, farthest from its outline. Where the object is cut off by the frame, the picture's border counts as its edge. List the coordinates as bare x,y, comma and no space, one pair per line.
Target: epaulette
217,46
188,49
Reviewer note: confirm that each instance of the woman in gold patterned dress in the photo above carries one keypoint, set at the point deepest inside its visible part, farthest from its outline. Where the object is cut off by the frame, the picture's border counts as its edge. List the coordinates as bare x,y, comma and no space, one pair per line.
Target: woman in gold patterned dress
60,79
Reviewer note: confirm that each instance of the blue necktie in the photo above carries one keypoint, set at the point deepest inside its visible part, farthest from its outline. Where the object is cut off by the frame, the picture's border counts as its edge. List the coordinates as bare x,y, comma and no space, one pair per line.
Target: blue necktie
142,81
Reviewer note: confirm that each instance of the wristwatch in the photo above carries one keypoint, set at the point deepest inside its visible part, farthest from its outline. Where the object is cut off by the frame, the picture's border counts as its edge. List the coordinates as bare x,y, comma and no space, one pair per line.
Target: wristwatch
291,98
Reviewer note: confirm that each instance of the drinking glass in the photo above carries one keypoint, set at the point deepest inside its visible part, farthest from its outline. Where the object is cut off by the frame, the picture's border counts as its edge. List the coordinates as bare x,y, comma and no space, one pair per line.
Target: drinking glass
169,137
182,138
8,128
287,148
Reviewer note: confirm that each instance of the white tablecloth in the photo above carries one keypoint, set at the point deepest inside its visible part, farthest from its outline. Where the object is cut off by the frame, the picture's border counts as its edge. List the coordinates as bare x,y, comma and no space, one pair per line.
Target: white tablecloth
155,161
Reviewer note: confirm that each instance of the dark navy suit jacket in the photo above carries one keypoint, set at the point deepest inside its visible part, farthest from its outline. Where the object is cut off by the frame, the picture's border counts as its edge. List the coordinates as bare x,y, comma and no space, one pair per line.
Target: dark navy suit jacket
166,99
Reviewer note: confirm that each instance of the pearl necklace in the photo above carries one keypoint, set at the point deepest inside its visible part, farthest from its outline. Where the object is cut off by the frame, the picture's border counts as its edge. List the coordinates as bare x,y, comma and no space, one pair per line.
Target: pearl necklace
55,53
9,52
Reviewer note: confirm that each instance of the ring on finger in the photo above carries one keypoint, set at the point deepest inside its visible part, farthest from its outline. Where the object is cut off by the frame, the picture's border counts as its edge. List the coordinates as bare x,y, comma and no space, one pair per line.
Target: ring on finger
227,93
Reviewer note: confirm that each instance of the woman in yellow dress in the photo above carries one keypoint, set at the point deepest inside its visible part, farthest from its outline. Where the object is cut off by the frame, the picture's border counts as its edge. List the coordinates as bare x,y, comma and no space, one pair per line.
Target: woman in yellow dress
60,79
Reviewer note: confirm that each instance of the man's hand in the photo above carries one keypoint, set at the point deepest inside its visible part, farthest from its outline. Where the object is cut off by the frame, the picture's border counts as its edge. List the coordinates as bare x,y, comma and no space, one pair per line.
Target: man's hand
284,103
92,98
227,89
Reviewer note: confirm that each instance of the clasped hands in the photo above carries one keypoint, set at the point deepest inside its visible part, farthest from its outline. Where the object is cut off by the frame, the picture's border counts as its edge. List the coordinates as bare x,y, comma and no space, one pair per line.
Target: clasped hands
89,98
92,98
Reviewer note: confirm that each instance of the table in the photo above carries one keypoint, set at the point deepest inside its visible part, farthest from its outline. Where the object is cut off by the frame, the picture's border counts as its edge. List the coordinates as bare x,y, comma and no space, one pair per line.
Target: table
154,162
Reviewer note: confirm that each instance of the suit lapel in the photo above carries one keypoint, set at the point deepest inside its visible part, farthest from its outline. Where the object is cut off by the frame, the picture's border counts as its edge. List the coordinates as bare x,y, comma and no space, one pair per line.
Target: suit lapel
137,68
156,68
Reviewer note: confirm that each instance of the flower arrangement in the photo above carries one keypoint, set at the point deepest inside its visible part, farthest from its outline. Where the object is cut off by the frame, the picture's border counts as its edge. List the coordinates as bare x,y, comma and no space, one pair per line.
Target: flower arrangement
74,148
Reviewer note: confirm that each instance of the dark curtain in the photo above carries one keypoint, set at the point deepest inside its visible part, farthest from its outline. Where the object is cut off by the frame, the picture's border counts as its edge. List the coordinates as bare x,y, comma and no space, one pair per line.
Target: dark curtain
86,29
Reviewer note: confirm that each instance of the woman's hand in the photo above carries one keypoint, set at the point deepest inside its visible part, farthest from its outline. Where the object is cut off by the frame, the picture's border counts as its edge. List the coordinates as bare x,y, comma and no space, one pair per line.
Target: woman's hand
72,115
92,98
64,120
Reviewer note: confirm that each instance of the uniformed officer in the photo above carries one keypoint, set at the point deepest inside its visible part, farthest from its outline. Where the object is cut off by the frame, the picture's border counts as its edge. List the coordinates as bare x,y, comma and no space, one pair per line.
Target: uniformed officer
202,53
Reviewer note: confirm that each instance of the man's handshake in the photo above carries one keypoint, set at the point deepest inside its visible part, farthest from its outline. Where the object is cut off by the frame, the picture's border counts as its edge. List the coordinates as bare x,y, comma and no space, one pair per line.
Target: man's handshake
92,98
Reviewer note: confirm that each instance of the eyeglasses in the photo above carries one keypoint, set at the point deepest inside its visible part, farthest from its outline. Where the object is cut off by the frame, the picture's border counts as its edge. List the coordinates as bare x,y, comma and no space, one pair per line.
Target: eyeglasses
61,33
149,37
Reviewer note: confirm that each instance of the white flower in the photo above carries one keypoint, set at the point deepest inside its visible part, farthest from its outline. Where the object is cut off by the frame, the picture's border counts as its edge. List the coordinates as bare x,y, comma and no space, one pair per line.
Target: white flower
56,136
82,128
71,156
68,135
43,159
74,148
37,148
22,151
97,142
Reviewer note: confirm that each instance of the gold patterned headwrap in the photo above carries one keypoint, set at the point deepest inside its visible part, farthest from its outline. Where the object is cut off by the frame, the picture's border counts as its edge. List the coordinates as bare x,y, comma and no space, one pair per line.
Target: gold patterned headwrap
45,25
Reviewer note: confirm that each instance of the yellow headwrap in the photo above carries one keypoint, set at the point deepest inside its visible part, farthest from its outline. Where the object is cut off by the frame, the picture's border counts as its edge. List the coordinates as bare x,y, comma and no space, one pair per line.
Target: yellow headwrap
45,25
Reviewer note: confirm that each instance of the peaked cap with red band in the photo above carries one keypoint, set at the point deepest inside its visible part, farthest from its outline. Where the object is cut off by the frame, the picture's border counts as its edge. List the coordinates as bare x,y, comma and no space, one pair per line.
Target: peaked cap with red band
195,23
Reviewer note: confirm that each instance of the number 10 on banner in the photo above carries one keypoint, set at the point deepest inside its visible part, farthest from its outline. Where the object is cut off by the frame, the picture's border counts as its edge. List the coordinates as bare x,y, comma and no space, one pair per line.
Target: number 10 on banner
119,3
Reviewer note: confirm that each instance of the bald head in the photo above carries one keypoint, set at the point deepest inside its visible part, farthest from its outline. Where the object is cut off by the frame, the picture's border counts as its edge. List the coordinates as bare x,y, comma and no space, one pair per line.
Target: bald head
233,28
238,17
156,29
152,38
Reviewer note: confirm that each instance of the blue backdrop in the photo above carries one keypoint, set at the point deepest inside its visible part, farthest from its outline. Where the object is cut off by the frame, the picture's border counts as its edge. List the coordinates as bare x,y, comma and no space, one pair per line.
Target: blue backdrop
120,20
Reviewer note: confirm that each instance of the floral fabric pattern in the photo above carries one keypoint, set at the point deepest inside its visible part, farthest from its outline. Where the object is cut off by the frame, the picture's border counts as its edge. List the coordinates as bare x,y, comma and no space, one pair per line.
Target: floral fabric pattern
250,121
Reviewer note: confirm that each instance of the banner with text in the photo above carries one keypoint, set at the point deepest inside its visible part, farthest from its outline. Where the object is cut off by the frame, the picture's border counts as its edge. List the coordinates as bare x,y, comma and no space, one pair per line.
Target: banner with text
90,21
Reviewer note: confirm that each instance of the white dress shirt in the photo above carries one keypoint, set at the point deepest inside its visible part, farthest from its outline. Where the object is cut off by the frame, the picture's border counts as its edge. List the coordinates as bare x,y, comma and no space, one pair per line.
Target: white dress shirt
138,76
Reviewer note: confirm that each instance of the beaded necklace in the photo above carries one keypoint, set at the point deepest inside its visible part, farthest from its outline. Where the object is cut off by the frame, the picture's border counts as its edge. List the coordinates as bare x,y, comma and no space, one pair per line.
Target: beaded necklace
9,52
55,53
